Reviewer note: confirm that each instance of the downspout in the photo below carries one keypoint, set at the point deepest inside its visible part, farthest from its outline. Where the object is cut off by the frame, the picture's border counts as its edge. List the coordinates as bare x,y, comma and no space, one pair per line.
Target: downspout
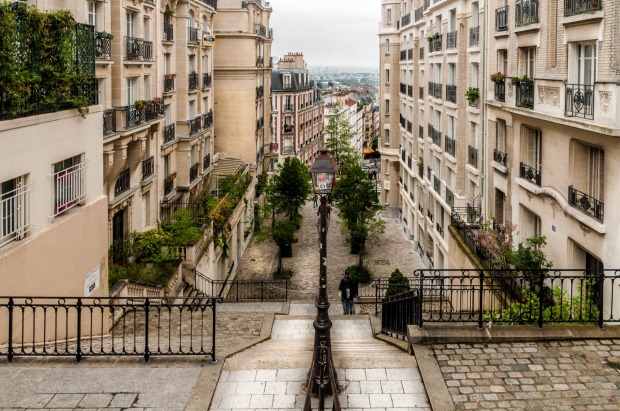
484,125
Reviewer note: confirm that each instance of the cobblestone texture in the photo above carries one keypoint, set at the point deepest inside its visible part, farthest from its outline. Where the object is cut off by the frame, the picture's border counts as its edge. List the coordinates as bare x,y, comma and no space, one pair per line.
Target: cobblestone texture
566,375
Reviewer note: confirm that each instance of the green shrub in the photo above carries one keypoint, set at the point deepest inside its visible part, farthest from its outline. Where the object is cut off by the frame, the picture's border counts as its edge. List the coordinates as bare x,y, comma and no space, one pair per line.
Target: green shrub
357,275
183,230
397,284
285,274
155,274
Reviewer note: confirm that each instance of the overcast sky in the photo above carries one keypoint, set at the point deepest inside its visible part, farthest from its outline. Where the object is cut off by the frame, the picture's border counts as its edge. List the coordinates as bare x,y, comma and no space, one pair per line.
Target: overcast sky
327,32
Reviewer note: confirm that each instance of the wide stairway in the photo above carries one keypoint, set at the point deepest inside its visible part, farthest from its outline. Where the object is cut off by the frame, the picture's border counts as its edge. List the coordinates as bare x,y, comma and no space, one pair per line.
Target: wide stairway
373,375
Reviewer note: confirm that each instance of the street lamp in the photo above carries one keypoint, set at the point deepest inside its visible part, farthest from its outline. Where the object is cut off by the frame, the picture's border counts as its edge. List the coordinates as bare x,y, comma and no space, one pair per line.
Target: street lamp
324,376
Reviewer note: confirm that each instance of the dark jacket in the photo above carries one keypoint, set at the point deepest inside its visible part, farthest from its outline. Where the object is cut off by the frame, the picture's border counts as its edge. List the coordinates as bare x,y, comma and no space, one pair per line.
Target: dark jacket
346,284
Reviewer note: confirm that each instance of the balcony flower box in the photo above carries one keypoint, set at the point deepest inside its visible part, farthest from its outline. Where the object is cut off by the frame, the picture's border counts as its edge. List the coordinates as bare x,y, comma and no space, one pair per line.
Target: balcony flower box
472,94
171,76
106,35
498,77
139,104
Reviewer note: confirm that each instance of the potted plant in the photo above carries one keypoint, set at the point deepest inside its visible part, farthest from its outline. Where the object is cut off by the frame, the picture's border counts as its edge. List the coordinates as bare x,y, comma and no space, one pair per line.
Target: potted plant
105,35
139,104
498,77
171,76
436,35
472,94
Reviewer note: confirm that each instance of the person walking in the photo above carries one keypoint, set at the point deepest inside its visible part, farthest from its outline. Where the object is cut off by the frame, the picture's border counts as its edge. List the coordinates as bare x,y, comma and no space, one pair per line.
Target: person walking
347,293
314,203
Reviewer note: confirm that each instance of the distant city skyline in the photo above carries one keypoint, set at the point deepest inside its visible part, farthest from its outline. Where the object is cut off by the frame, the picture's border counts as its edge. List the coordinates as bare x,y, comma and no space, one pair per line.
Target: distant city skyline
329,33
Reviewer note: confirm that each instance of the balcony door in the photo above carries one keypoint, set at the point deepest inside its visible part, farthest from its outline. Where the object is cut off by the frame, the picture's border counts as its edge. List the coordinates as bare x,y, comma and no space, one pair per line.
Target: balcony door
130,24
532,148
586,64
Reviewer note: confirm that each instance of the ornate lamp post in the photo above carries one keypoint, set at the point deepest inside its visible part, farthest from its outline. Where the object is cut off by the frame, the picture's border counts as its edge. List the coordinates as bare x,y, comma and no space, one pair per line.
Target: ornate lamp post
324,376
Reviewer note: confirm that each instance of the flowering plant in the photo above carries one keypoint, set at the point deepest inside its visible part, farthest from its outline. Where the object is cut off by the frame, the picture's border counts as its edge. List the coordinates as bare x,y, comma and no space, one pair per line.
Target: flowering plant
499,76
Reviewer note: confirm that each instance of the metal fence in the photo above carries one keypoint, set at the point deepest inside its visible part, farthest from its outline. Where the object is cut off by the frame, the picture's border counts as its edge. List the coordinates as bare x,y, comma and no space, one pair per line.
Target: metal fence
236,290
399,311
84,327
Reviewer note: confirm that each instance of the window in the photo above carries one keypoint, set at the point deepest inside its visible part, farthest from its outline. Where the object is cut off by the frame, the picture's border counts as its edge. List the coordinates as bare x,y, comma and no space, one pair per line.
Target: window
387,107
147,87
130,28
527,62
451,127
452,74
69,183
192,109
91,13
193,155
205,64
286,80
205,105
131,90
14,209
387,46
500,135
532,147
387,76
474,75
167,165
588,169
583,67
147,32
502,61
530,224
389,16
387,137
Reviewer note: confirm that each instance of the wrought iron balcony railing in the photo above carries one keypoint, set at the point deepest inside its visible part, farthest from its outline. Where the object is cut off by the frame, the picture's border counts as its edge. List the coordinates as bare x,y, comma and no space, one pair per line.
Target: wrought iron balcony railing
500,157
586,203
288,107
168,32
451,93
260,61
450,146
573,7
195,125
288,128
451,40
431,130
148,167
138,49
429,173
436,184
439,229
472,156
473,103
530,173
526,12
207,80
435,44
419,13
436,137
169,183
525,94
501,18
429,214
193,172
133,116
122,183
403,155
169,83
500,90
207,120
579,101
474,36
169,133
409,161
211,3
421,170
109,122
206,161
192,35
192,81
427,4
405,20
449,197
103,47
154,109
260,29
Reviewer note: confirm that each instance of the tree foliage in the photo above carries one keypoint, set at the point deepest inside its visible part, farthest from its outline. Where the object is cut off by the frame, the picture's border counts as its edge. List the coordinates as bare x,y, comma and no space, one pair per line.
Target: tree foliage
291,188
338,142
397,284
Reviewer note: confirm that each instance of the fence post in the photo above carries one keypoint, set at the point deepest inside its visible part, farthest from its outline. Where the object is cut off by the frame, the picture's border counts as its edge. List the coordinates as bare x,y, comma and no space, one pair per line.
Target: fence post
213,360
421,297
480,300
601,289
262,286
147,303
78,351
540,298
11,307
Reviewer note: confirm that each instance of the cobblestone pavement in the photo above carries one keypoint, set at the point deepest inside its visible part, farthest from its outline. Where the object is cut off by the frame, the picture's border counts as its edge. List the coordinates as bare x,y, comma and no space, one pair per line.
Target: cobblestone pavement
566,375
394,251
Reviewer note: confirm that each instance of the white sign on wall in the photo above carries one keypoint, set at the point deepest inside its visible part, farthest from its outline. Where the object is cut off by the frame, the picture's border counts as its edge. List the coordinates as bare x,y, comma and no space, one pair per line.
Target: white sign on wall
91,283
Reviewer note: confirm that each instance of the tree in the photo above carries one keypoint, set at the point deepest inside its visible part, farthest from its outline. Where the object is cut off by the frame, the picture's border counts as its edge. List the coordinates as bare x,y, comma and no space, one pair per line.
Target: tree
339,135
397,284
356,197
292,188
283,235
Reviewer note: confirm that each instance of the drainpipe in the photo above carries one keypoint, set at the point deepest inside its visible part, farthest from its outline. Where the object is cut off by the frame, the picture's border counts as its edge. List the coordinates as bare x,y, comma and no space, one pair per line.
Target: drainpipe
484,128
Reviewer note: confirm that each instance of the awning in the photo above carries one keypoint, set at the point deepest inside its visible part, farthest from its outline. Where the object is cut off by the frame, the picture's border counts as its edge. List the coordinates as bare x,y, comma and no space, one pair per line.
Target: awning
368,150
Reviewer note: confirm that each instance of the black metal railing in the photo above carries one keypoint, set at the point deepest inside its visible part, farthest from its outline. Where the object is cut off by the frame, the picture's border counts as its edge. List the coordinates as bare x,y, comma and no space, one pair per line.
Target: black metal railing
207,80
122,183
500,157
212,3
109,122
138,49
133,116
193,172
192,81
500,90
472,156
450,146
154,109
430,129
435,43
419,13
474,102
420,170
436,184
530,173
409,163
168,32
260,29
410,54
421,52
260,61
207,120
439,229
573,7
409,127
449,197
586,203
474,36
169,133
288,128
206,161
427,4
525,94
410,91
148,167
403,55
451,93
429,213
429,173
579,101
85,327
405,20
399,311
192,35
195,125
103,47
257,290
434,89
436,136
169,83
526,12
169,183
501,18
451,40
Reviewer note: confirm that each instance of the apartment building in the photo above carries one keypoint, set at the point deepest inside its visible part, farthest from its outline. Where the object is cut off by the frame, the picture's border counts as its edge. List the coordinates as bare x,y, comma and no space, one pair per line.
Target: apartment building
389,128
553,125
297,111
370,119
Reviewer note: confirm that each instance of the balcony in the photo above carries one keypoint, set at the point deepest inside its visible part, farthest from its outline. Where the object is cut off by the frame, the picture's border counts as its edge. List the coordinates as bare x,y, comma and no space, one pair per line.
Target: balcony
419,13
148,167
436,184
207,80
288,107
525,94
427,4
436,137
206,161
579,101
451,40
434,89
134,116
260,30
439,229
193,172
122,183
420,170
109,122
451,93
586,203
192,35
260,92
195,125
287,150
500,158
207,120
260,61
421,52
103,47
474,36
169,183
168,33
472,156
526,12
500,90
501,19
169,133
288,128
138,49
450,146
405,20
429,214
449,197
211,3
421,92
529,173
574,7
434,43
192,81
169,83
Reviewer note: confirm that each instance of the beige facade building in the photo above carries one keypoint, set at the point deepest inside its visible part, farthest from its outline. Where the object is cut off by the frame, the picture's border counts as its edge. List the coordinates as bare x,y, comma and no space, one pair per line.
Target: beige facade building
297,112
